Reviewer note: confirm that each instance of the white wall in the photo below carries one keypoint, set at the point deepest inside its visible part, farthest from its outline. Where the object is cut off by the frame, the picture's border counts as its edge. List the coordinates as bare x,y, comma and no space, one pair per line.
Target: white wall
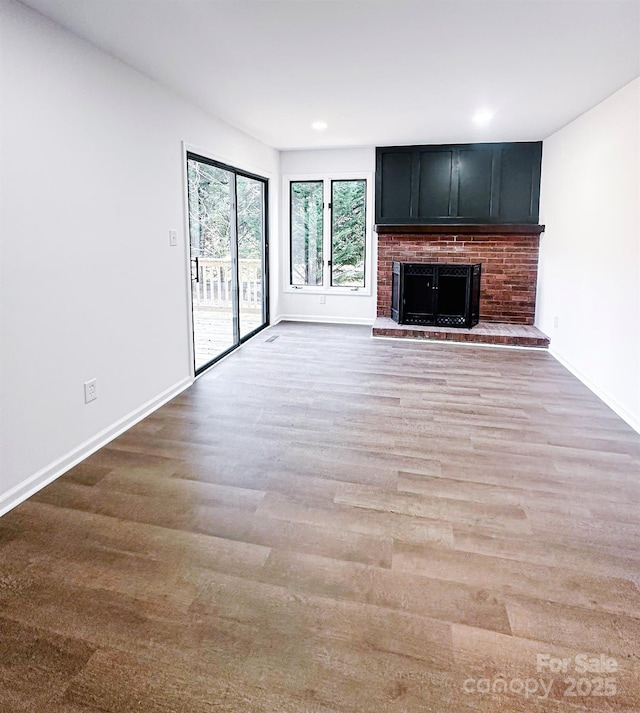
301,305
90,184
589,283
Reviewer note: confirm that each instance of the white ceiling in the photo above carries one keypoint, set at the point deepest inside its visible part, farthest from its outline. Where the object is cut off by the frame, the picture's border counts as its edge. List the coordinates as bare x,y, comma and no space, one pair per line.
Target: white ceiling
379,72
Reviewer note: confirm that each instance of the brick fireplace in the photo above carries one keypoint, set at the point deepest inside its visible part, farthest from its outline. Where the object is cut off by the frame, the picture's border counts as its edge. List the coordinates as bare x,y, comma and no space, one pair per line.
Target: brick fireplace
509,263
509,257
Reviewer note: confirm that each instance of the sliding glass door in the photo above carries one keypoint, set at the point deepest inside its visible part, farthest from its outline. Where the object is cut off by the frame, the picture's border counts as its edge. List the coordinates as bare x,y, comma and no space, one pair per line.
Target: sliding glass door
227,229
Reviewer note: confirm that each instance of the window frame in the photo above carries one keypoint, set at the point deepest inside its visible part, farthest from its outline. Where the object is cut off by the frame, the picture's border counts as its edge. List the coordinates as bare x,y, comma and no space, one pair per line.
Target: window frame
331,231
326,288
290,234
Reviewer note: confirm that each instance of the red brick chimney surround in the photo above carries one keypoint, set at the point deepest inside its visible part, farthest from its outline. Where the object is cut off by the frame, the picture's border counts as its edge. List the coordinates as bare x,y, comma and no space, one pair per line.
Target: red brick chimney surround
508,253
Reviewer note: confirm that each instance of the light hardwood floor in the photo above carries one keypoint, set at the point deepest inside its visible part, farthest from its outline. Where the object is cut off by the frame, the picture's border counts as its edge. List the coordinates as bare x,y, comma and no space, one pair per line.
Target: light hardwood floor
327,523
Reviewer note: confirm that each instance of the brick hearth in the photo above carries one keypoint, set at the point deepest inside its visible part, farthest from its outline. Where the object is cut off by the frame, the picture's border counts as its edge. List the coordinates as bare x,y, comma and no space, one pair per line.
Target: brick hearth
513,335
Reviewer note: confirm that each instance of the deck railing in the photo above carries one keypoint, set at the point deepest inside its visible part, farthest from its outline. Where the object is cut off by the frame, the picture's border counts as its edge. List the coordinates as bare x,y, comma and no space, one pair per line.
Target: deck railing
215,284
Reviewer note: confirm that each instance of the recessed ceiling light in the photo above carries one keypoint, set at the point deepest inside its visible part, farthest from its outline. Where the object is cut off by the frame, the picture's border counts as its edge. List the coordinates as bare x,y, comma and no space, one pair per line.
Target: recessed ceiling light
483,116
319,125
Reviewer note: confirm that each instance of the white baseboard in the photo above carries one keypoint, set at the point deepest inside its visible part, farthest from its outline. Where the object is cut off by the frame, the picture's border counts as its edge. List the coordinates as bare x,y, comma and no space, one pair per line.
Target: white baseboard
319,319
54,470
632,419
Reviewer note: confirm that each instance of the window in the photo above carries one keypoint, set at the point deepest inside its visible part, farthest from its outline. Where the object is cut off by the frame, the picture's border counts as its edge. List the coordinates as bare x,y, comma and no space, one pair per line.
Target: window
328,234
348,232
306,232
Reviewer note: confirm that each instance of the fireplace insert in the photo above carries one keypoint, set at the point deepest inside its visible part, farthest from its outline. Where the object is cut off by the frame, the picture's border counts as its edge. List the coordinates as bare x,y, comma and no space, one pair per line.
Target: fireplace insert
436,293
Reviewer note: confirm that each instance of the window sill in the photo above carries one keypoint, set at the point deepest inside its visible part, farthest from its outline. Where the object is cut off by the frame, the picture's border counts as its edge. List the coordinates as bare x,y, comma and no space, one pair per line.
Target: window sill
328,291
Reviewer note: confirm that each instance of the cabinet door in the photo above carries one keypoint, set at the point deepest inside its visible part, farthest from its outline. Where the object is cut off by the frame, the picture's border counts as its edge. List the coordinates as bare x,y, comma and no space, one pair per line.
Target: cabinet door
394,186
435,176
474,184
520,183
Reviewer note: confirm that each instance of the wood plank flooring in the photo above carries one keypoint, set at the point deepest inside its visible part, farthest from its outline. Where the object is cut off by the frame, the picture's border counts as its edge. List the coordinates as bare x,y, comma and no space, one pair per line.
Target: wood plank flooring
327,523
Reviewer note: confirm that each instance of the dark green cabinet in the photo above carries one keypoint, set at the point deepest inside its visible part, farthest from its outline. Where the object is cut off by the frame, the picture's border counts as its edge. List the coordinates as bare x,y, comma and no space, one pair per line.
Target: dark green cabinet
458,183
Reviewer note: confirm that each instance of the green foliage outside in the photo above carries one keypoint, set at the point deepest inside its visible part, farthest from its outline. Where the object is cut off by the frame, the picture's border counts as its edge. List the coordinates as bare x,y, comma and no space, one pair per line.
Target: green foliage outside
210,191
348,220
348,215
306,232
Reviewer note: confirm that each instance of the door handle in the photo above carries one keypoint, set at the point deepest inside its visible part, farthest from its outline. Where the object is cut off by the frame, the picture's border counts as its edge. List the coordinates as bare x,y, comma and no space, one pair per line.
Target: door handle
197,277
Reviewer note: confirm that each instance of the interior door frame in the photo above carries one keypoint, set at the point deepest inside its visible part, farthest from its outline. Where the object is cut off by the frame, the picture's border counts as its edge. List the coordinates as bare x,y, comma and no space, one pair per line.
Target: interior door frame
190,152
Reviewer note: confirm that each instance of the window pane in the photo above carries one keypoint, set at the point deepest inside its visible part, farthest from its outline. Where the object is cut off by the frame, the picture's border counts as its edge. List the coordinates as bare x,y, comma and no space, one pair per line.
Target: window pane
348,221
250,202
209,209
210,214
306,232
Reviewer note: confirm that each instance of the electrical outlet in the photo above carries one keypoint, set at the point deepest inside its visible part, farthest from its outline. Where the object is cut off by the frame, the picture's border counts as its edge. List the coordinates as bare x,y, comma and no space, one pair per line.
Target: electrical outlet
90,390
323,299
556,322
173,238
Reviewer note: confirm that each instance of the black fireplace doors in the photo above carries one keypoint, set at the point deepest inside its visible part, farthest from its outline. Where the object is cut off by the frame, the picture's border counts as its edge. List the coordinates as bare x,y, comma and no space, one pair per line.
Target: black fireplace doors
436,293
